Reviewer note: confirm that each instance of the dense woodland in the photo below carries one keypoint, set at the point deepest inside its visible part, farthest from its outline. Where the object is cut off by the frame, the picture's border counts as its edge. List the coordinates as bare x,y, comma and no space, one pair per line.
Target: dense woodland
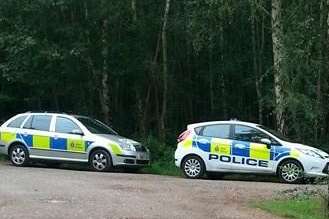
149,67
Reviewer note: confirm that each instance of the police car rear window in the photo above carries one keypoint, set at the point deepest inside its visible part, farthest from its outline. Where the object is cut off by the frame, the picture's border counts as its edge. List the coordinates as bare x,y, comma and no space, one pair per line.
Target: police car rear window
16,123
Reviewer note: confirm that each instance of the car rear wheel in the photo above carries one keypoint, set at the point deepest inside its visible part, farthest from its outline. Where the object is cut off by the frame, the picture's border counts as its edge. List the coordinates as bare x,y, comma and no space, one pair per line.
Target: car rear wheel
290,171
193,167
100,161
19,156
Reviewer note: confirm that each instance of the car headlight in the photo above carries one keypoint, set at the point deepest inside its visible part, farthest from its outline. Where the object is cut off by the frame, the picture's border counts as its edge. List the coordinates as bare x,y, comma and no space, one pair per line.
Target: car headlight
310,152
127,147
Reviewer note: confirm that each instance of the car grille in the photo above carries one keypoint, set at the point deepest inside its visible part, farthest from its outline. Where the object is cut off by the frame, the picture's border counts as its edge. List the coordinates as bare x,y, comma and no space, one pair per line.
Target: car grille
140,148
326,169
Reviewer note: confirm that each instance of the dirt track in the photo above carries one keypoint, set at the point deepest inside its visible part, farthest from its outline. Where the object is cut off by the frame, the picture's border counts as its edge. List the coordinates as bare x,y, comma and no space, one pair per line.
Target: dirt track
36,192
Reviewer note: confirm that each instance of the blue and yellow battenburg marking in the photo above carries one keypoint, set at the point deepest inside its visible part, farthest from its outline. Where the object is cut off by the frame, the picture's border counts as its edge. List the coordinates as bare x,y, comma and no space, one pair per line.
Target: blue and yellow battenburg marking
47,143
239,148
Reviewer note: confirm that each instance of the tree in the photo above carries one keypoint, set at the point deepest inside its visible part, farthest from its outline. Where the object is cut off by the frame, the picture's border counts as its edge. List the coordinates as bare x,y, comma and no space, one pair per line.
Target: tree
278,59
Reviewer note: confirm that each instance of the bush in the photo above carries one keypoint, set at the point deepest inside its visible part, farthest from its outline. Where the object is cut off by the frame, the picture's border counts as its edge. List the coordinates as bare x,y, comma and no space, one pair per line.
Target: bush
162,158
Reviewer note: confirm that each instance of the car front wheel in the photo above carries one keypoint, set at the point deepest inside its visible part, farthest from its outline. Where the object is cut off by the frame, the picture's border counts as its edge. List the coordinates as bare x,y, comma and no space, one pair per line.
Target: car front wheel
290,171
100,161
193,167
19,156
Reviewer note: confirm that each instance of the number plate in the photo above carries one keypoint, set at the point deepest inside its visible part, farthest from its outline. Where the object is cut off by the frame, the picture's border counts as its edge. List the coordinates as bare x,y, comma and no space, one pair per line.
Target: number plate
142,156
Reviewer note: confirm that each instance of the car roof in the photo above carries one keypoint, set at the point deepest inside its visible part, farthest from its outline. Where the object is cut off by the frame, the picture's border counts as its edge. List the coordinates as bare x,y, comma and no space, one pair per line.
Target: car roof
236,122
49,113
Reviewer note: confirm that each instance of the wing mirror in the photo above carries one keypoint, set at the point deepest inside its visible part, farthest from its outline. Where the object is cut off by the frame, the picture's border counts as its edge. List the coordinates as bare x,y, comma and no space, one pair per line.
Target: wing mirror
77,132
266,141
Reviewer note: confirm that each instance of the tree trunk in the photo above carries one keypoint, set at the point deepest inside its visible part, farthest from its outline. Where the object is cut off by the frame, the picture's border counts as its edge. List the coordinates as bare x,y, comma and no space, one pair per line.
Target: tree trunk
211,84
278,55
104,92
164,73
221,73
256,47
134,11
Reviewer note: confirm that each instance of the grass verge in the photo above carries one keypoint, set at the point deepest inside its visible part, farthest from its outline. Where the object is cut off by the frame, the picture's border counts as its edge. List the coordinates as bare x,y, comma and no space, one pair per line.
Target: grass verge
162,168
301,208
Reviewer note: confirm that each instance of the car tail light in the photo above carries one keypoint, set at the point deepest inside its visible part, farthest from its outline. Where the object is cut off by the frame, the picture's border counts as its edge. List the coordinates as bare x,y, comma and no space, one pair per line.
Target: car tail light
183,136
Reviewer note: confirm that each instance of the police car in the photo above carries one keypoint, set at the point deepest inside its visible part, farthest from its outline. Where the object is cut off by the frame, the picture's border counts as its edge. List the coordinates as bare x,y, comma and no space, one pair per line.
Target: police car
240,147
61,137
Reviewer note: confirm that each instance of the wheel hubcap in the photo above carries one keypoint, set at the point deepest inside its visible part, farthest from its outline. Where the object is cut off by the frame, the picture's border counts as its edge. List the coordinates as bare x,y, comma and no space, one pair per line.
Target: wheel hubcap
291,172
99,161
18,156
192,167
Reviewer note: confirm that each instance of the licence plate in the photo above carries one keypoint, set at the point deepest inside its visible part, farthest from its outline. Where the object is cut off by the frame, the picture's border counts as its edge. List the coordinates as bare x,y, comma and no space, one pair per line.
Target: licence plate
142,156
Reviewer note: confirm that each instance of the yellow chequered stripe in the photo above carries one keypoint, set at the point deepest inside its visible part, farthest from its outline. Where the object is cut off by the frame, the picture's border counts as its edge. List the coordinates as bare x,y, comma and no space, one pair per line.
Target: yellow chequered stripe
294,153
220,146
41,142
7,137
116,149
76,145
259,151
187,143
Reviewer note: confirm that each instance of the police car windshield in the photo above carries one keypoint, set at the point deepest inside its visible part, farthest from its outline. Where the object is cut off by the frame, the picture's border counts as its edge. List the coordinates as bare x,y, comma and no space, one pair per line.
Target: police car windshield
275,133
96,127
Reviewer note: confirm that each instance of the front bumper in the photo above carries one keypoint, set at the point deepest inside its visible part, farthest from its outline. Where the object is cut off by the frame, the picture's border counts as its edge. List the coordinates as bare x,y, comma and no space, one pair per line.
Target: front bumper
318,169
132,159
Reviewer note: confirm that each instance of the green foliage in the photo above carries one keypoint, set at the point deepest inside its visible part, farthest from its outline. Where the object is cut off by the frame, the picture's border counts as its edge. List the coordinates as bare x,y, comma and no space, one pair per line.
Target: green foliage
51,58
162,160
302,208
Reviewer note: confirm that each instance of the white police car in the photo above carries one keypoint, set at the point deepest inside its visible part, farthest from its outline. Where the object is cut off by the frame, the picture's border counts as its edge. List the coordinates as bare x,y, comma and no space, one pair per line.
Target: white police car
63,137
240,147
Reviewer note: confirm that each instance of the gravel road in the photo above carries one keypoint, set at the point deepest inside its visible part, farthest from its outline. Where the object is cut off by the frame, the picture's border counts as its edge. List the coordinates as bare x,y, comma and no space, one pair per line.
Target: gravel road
37,192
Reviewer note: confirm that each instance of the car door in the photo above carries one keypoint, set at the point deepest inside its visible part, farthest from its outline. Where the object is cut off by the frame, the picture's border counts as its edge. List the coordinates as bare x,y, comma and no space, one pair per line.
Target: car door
215,140
68,139
248,153
36,135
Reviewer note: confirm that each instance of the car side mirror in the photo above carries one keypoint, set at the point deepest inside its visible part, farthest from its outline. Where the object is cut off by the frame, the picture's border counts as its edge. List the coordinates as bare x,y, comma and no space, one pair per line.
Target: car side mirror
266,141
76,132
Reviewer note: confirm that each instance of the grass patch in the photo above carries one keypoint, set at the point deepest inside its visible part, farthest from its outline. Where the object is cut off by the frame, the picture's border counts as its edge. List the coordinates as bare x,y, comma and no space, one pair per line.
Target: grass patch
301,208
163,168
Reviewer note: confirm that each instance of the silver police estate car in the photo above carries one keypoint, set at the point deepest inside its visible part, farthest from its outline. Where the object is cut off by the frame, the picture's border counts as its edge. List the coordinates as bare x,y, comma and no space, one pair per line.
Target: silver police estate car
62,137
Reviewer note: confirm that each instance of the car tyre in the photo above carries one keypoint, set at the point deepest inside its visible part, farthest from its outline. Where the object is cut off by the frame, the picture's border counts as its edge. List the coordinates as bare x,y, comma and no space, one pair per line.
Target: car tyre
193,167
100,161
291,172
19,155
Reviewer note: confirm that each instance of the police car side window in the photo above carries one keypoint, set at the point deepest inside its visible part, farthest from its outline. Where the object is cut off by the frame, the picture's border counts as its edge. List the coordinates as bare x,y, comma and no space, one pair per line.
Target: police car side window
28,123
16,123
245,133
64,125
41,122
216,131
